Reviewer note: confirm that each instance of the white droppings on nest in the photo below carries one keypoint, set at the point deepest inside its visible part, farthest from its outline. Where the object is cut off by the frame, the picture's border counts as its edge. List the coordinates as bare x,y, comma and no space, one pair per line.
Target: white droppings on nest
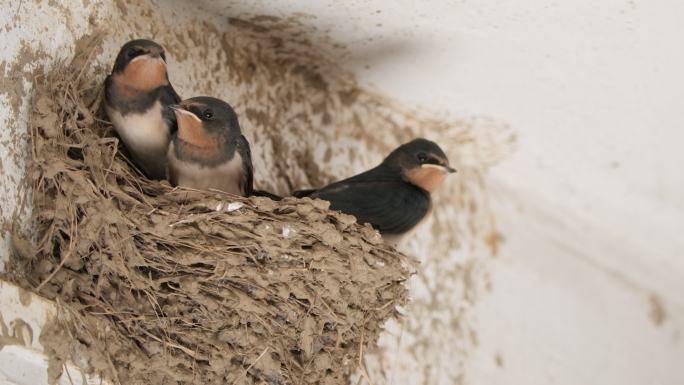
287,231
233,206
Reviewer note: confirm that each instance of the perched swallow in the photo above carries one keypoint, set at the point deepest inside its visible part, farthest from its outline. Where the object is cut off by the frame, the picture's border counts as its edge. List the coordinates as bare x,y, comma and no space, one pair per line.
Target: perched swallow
208,150
393,197
137,94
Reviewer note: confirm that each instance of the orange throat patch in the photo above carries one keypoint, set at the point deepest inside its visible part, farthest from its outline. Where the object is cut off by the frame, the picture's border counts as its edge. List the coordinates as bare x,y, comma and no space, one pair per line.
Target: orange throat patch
427,177
143,73
191,131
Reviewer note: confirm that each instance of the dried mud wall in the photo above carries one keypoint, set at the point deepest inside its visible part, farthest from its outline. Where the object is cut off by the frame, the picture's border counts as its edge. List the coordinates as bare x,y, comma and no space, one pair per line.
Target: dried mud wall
309,123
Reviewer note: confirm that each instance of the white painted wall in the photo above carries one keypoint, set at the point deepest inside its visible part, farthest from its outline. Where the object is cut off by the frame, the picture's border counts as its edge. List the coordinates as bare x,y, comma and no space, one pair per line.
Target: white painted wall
591,204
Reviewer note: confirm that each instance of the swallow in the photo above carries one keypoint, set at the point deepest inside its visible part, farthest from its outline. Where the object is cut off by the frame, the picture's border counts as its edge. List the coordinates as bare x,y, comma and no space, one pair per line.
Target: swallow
208,150
137,96
393,197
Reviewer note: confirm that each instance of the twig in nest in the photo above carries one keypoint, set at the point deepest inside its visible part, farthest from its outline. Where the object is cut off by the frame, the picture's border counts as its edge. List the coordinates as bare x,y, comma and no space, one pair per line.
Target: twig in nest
250,366
61,263
185,350
66,369
362,366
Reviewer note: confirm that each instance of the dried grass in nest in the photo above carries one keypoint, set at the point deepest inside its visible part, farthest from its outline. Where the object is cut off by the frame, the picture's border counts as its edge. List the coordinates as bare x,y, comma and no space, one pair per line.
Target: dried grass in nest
174,286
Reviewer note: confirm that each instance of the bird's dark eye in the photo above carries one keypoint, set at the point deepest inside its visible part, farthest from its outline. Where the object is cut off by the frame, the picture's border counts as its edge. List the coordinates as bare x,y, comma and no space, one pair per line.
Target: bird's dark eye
207,114
422,157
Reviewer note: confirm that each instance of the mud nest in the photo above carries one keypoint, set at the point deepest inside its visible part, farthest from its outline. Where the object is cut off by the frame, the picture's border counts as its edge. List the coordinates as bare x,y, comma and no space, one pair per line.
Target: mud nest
173,286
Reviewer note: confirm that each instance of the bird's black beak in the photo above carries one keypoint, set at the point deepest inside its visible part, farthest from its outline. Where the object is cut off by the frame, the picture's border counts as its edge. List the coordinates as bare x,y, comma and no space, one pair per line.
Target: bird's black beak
450,169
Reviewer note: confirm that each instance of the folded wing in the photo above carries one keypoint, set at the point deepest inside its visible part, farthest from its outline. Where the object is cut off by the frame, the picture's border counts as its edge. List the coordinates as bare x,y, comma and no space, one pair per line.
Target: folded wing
390,206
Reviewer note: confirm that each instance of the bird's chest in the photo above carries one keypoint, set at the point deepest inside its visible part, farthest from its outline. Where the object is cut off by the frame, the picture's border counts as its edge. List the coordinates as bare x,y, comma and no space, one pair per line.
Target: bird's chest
142,131
227,176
